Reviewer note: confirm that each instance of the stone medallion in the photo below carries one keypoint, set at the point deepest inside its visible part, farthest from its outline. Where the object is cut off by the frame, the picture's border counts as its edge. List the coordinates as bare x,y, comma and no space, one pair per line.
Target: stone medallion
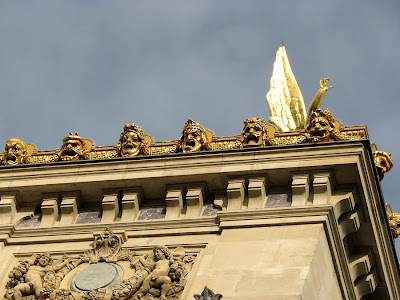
95,276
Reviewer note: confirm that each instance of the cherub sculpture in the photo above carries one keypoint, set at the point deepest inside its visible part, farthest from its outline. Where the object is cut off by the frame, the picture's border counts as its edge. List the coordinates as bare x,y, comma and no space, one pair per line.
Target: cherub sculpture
158,278
75,147
17,152
194,137
255,132
133,141
39,276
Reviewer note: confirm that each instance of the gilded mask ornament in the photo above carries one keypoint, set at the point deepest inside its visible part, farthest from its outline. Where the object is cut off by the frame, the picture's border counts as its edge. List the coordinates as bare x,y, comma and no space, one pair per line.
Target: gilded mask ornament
394,221
382,160
194,137
133,141
75,148
321,125
16,152
255,133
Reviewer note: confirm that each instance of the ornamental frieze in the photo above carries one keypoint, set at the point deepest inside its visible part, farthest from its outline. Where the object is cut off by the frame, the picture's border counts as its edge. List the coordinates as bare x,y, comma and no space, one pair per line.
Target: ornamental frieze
107,271
194,138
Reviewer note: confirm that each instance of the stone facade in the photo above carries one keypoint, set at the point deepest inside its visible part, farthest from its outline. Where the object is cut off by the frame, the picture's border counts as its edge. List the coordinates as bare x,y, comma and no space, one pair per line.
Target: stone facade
303,221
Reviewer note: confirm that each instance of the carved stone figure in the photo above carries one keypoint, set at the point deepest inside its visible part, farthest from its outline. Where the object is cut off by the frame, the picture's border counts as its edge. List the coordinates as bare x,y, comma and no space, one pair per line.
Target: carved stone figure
75,148
133,141
194,137
382,160
255,132
394,221
39,277
159,276
17,152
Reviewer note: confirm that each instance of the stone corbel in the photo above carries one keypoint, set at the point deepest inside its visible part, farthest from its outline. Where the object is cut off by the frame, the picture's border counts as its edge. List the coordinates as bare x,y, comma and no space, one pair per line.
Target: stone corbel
50,209
257,191
322,187
366,284
131,201
360,264
195,200
343,203
236,193
220,201
70,204
300,189
9,203
350,221
174,202
110,205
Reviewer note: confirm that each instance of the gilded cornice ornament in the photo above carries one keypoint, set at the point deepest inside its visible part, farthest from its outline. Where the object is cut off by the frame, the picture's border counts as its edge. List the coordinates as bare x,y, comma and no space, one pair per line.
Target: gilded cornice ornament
394,221
194,137
382,160
256,133
133,141
285,100
322,127
16,152
74,147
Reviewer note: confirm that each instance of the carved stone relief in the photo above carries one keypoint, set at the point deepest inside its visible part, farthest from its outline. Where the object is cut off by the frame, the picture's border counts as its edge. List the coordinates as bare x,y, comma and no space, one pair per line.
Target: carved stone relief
107,271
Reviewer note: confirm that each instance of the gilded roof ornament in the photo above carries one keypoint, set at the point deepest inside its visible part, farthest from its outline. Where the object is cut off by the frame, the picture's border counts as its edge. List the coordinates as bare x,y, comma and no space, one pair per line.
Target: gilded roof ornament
394,221
133,141
285,101
17,152
256,132
194,137
382,160
74,147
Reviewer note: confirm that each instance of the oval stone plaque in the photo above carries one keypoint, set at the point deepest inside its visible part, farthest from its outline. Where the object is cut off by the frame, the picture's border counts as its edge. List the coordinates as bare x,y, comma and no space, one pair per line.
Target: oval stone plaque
96,276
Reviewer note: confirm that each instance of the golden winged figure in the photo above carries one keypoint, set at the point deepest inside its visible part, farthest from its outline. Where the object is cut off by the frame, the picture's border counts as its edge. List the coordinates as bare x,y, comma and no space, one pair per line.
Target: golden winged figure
284,97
